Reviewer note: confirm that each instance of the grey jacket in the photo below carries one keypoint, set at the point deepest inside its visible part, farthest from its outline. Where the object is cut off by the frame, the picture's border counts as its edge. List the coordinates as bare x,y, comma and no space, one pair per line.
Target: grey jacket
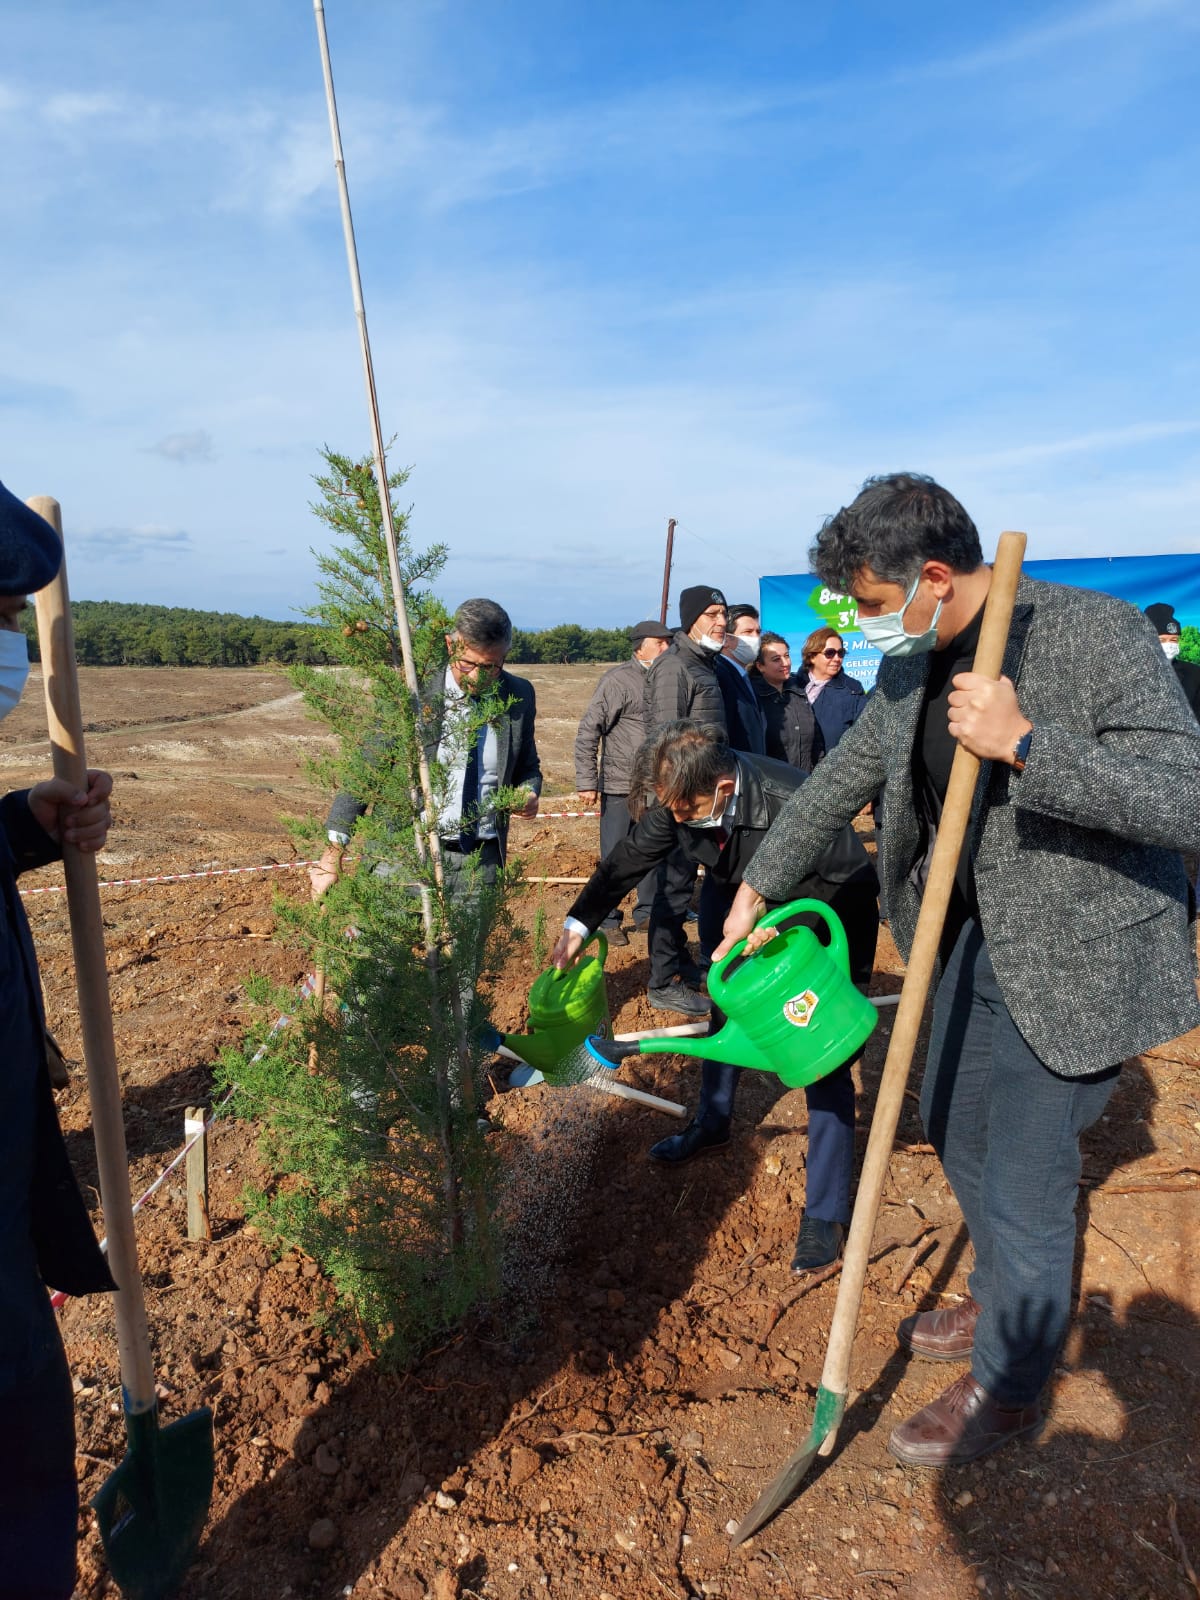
614,715
516,751
683,683
1081,891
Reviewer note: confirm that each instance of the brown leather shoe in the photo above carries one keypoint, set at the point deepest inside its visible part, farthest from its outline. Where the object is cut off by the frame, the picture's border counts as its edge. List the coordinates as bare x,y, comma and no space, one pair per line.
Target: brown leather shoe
962,1423
947,1334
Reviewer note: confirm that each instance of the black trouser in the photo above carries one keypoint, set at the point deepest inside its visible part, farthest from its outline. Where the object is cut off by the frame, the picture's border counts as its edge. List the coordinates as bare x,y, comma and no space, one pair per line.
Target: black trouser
38,1497
668,940
829,1166
615,825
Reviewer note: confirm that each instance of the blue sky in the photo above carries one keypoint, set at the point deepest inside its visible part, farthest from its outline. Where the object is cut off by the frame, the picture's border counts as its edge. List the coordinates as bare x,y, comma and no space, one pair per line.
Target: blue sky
621,262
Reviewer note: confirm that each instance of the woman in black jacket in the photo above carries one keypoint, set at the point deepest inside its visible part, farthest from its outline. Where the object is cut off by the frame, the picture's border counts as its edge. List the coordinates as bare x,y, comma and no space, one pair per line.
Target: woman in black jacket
792,733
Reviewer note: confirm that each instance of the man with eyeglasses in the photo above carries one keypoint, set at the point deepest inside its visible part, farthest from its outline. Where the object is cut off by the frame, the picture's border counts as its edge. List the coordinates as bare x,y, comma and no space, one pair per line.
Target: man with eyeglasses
503,754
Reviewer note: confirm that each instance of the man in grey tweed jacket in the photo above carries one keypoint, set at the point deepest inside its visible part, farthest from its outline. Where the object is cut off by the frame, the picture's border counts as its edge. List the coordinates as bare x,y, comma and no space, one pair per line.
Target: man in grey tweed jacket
1069,946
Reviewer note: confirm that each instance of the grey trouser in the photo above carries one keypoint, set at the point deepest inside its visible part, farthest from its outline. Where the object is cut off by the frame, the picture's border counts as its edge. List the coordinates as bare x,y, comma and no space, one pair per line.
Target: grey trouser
1007,1132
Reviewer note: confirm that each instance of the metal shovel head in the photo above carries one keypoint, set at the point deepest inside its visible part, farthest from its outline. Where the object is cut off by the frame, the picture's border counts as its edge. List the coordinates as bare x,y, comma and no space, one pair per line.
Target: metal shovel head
826,1419
153,1508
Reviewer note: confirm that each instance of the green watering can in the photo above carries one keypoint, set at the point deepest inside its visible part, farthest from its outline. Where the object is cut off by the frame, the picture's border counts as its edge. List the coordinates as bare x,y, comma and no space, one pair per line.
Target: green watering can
564,1008
790,1007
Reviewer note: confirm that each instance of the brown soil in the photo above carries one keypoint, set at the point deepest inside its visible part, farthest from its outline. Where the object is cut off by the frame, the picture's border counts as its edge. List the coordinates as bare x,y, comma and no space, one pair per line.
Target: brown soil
601,1446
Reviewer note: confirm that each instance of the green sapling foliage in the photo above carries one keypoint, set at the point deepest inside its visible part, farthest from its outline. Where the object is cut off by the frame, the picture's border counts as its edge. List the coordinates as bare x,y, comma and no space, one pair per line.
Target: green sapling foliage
371,1101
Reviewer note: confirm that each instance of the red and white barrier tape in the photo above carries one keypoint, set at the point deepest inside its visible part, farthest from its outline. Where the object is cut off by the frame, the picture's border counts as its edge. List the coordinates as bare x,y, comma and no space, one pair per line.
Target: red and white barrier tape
179,877
58,1298
542,816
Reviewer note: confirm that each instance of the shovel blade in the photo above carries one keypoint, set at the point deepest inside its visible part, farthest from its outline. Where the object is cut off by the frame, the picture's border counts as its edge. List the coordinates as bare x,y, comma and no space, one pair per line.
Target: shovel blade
826,1418
152,1509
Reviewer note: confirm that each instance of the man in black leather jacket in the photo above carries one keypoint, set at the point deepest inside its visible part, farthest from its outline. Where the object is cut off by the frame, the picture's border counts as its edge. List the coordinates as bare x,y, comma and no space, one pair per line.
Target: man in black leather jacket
716,804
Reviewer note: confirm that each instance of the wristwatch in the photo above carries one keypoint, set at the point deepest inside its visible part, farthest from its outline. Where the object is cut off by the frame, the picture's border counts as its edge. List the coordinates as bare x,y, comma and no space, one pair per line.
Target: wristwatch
1021,751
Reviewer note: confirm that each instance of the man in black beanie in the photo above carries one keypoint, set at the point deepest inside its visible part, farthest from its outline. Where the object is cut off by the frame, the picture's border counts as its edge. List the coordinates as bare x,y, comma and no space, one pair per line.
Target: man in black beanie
683,684
1165,621
45,1237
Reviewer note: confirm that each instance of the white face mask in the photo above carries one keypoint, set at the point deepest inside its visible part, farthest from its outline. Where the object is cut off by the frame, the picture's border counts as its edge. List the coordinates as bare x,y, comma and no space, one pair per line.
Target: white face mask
887,633
745,648
707,642
716,816
14,668
1170,648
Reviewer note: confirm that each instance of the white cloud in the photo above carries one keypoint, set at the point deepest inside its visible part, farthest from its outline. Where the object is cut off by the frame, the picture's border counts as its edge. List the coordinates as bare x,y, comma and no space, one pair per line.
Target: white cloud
130,544
68,109
181,447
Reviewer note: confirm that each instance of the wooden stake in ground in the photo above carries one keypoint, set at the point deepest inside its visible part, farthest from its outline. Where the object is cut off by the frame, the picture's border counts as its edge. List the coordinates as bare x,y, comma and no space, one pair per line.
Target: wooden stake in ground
195,1136
952,832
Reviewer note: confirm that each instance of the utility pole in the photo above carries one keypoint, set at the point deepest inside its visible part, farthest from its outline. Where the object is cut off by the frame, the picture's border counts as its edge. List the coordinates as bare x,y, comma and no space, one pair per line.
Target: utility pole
667,569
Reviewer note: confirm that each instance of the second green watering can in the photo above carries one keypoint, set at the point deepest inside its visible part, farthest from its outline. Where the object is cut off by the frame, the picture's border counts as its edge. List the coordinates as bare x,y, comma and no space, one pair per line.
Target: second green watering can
565,1007
790,1007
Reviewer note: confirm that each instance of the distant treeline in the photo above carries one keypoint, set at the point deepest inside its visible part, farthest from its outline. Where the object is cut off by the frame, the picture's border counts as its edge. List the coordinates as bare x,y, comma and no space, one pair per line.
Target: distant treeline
113,633
569,642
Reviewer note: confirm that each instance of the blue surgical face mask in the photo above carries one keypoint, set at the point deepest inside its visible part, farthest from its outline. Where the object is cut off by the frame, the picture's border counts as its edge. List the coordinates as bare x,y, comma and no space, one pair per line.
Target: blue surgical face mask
887,633
14,668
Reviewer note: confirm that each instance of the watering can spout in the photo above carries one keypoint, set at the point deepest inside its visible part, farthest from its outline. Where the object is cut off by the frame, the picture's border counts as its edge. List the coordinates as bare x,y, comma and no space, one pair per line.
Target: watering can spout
732,1046
790,1008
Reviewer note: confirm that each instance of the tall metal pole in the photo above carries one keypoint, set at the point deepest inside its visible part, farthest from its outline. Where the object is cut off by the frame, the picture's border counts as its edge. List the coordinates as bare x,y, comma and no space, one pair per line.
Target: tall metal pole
662,617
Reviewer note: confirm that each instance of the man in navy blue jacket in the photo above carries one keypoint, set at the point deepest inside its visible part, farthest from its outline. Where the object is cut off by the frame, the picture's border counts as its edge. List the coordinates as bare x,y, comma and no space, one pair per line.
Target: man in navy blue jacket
46,1238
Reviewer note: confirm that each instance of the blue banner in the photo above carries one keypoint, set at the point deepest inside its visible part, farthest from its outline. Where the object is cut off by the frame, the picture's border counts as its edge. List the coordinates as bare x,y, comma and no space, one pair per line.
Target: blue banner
795,604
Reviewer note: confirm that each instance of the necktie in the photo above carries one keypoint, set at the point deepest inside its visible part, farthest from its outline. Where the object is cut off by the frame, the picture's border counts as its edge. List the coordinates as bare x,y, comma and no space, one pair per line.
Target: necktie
468,836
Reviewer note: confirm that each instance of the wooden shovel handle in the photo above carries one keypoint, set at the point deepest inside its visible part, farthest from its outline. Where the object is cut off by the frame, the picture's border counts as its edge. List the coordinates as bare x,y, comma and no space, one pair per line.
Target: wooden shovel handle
952,831
57,639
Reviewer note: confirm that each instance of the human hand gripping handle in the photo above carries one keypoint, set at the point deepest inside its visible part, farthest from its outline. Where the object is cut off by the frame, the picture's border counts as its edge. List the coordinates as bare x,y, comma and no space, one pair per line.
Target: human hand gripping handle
566,951
71,815
985,716
747,909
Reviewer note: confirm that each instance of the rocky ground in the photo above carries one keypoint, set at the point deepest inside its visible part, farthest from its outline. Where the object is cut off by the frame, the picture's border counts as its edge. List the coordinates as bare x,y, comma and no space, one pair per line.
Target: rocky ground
602,1440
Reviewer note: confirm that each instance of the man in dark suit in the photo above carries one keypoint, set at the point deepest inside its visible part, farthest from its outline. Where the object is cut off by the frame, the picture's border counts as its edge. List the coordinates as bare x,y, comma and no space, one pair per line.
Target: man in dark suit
1068,946
745,724
715,805
502,754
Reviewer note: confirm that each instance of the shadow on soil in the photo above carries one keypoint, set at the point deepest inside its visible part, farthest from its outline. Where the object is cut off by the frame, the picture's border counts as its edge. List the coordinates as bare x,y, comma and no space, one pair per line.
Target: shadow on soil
618,1267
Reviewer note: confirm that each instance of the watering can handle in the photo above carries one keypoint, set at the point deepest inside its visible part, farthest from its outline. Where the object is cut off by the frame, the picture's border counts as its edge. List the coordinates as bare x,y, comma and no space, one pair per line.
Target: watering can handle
596,938
838,947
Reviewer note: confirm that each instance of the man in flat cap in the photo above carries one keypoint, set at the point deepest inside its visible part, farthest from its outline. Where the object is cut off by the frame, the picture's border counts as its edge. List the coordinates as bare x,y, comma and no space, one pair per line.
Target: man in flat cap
46,1239
614,720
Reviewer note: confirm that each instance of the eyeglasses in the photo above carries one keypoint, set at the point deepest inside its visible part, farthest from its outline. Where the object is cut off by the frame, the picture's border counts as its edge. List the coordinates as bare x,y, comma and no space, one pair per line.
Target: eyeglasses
832,655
